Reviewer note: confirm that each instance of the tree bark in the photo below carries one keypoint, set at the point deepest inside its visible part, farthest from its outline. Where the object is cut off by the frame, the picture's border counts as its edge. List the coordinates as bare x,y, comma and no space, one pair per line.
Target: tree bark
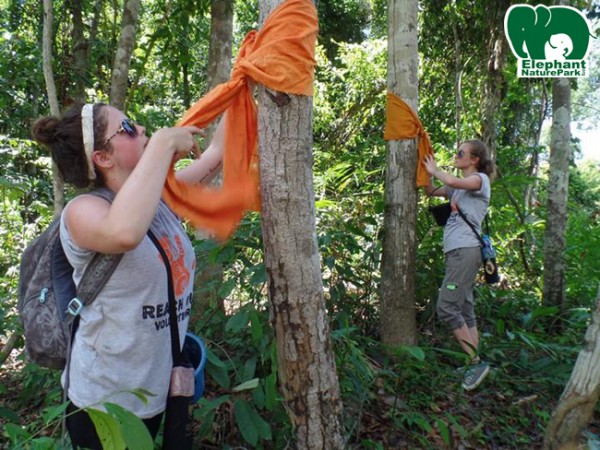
47,39
558,186
307,372
398,283
118,86
578,401
221,31
80,51
494,82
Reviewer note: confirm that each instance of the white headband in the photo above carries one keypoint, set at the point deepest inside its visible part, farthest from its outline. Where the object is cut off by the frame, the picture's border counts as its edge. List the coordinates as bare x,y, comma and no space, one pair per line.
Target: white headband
87,129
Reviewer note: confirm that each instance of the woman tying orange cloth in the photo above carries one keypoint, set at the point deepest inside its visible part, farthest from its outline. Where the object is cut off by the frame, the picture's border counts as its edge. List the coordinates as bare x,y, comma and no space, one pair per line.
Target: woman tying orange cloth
281,57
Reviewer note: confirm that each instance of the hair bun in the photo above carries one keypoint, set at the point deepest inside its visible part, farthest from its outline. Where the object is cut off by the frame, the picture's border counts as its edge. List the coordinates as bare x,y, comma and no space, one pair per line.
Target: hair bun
44,130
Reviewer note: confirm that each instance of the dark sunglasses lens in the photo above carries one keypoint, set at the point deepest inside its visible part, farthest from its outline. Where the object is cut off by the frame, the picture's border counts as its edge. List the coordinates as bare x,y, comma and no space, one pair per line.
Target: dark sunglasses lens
460,154
129,127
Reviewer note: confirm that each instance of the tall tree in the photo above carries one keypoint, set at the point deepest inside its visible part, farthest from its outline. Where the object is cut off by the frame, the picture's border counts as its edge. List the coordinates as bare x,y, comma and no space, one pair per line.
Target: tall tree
118,87
307,372
558,188
398,277
81,46
221,33
494,87
80,50
47,39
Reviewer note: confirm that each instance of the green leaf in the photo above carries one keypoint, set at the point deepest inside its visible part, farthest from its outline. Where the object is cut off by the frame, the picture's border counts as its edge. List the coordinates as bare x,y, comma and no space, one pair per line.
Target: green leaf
444,431
219,374
271,391
108,429
135,434
247,385
214,359
51,413
43,443
416,352
9,415
255,327
237,322
259,275
16,433
205,406
264,429
142,394
245,422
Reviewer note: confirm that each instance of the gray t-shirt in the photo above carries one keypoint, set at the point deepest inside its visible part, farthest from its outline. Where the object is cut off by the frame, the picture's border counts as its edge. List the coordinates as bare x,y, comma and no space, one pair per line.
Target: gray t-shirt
474,205
123,341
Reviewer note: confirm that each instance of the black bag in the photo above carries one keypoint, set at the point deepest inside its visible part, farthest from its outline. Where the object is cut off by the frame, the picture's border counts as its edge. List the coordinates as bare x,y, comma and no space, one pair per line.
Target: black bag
49,302
488,254
177,432
441,213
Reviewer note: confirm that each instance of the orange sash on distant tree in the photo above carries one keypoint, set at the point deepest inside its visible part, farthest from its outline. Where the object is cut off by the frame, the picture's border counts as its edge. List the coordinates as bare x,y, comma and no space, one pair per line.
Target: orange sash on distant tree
401,122
279,56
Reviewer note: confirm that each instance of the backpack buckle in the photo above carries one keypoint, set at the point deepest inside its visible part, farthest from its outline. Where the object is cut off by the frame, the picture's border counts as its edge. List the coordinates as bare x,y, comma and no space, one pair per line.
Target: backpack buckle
74,307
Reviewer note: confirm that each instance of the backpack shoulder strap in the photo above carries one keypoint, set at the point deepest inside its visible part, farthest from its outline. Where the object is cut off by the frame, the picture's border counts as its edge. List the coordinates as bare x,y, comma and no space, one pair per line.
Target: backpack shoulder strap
96,274
471,226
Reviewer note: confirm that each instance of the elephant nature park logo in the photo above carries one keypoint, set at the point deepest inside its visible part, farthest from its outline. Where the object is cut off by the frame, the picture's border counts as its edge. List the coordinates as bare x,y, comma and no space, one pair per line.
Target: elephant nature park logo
548,41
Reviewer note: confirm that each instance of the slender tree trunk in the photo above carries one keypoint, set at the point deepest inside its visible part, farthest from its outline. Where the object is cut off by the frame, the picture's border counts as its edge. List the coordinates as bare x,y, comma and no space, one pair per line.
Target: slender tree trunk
458,70
398,279
57,182
307,372
494,83
210,277
221,31
578,401
80,51
118,86
558,186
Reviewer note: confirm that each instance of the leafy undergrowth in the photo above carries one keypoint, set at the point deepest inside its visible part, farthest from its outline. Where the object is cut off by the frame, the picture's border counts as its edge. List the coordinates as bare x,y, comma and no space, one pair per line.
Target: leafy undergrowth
405,398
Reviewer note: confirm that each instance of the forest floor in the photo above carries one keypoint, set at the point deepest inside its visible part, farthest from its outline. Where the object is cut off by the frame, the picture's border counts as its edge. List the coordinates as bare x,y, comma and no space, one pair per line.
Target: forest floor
506,412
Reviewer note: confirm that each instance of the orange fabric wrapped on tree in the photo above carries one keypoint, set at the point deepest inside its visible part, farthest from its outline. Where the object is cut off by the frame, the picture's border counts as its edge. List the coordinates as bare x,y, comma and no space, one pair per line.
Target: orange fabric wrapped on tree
279,56
401,122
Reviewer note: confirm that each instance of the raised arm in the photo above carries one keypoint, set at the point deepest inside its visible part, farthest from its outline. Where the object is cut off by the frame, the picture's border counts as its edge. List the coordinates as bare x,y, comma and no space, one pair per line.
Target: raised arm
206,167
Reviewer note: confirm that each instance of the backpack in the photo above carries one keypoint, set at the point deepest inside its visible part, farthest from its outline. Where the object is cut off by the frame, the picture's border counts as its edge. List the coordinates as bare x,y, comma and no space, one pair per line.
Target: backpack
49,302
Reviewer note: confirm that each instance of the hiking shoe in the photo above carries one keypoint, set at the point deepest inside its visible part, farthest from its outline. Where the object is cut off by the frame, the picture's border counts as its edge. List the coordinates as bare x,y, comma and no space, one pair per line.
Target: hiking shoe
475,375
463,369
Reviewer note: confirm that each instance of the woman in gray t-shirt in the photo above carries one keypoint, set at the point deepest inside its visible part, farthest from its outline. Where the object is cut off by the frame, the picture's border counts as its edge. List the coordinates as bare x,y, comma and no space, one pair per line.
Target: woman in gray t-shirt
470,193
123,340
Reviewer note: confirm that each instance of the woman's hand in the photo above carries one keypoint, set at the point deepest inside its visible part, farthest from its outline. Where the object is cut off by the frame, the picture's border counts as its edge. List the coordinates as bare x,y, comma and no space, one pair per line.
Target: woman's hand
430,164
179,139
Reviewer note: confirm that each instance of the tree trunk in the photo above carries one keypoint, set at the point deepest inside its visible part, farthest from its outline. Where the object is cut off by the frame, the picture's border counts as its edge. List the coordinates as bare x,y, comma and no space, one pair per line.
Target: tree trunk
118,86
80,51
57,182
398,278
578,401
221,31
558,186
494,82
210,277
307,372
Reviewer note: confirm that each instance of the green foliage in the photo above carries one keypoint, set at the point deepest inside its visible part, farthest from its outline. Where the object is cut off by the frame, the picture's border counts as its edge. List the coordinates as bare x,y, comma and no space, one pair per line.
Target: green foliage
393,398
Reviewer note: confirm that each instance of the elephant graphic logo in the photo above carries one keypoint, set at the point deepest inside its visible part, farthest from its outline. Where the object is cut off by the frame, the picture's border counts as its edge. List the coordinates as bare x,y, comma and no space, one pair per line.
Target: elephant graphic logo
549,41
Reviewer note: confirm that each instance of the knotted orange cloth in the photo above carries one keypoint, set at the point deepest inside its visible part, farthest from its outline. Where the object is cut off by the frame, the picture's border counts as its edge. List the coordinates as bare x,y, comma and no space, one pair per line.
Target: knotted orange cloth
401,122
281,57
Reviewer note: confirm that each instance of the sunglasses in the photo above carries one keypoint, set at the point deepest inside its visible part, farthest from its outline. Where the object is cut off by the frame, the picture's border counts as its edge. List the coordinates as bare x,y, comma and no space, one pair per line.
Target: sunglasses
127,126
460,154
